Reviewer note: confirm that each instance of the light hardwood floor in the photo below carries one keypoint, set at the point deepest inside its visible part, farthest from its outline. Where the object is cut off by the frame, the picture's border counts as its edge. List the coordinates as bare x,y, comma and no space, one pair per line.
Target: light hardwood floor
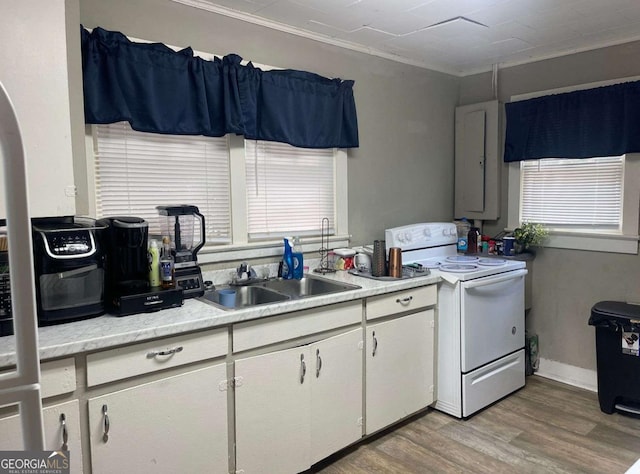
546,427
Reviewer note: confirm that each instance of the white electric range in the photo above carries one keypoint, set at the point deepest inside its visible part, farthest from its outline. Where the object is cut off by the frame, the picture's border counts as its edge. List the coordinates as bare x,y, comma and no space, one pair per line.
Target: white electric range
480,337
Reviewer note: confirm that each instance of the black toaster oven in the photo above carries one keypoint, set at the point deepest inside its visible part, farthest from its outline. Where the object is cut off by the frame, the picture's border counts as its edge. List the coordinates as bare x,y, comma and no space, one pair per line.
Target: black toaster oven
69,268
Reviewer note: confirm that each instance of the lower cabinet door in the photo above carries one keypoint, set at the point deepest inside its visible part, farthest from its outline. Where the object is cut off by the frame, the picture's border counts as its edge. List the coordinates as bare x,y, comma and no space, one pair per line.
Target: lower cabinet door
176,424
61,422
336,393
399,368
272,399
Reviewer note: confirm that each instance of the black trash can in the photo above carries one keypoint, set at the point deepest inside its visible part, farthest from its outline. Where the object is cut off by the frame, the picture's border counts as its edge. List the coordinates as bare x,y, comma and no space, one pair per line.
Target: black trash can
617,340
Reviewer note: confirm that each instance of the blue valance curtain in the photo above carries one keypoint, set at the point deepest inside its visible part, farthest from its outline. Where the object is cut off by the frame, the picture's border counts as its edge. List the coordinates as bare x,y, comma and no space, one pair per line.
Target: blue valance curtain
604,121
157,89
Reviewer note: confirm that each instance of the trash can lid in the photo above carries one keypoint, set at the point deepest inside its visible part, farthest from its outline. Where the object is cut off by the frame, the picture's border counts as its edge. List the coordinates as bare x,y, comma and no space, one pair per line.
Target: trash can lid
614,313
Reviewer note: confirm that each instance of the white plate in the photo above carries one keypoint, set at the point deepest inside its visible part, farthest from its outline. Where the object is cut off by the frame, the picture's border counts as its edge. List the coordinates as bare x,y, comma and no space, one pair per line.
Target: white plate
492,262
462,259
344,252
458,268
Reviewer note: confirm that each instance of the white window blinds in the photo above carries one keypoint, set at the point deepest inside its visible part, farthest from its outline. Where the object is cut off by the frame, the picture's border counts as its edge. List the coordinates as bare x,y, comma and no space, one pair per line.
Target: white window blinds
573,194
289,190
136,171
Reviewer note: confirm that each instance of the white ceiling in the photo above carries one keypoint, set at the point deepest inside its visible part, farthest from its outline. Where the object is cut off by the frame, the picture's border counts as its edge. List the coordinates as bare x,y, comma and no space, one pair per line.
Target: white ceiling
459,37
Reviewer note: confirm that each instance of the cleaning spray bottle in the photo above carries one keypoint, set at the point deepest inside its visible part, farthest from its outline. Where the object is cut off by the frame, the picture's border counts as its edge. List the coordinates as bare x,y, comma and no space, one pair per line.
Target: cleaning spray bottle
287,261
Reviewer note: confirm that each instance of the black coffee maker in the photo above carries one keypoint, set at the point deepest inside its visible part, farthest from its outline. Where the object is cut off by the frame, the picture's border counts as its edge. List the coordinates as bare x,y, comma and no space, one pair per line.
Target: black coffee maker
127,277
125,241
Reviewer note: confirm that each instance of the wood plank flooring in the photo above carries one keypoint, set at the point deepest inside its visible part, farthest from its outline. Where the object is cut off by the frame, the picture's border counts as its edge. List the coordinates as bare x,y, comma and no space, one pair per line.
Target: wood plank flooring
546,427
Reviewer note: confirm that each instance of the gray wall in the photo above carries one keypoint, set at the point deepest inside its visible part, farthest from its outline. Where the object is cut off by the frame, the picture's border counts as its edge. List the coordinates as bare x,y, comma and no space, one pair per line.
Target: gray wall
566,283
402,172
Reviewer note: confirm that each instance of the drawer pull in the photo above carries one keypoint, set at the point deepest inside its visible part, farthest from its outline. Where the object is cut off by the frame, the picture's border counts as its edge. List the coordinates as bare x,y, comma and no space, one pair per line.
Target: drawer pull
168,352
65,434
404,301
303,368
105,429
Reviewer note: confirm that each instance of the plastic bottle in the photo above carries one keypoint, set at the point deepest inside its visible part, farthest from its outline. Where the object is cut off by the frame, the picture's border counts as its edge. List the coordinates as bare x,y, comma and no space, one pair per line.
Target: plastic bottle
463,227
287,261
154,263
298,259
166,265
472,241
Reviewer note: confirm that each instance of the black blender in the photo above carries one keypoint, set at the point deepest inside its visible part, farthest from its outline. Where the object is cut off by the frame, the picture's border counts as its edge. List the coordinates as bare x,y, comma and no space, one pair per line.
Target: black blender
184,225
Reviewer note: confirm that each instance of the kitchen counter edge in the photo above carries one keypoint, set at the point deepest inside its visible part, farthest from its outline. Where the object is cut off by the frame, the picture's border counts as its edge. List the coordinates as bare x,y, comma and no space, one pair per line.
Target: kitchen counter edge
109,331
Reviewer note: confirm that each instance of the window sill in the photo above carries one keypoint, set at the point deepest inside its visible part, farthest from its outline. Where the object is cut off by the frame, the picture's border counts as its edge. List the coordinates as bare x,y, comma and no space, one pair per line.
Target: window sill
252,251
615,243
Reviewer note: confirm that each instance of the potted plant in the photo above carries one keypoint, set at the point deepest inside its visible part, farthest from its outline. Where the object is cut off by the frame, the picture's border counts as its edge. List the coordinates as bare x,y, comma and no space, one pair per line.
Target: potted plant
529,234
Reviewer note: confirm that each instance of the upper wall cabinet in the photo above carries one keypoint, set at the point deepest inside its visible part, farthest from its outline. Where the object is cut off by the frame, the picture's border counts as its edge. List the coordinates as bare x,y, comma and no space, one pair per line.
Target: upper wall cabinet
477,161
34,58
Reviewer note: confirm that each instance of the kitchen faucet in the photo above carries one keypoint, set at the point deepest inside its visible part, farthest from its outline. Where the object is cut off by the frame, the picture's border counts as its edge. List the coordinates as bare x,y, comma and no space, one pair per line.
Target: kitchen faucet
244,274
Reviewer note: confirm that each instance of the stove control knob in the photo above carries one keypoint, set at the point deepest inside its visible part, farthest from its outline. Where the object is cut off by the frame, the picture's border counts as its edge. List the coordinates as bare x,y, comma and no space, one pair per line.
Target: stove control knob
399,237
407,237
427,232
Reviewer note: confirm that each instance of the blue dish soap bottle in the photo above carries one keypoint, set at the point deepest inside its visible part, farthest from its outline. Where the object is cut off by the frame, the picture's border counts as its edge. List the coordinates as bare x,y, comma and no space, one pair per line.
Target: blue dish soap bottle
298,259
287,261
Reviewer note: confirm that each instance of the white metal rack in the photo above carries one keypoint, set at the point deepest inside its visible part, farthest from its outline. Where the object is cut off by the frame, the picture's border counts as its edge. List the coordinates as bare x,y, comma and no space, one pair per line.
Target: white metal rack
21,386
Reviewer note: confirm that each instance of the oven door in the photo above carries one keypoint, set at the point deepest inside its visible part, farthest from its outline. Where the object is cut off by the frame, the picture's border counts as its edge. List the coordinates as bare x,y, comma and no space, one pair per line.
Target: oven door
492,318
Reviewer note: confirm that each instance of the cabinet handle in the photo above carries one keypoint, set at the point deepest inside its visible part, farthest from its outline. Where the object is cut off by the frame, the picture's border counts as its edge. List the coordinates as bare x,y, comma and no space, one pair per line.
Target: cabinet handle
303,368
175,350
105,423
65,435
375,345
404,301
318,363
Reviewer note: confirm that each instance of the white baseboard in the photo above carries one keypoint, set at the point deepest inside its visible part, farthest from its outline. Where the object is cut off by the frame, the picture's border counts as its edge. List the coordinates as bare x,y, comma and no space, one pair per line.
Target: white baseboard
569,374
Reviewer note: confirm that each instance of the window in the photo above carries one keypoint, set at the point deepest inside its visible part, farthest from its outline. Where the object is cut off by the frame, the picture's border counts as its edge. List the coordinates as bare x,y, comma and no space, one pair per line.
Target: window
607,227
289,190
588,204
581,194
136,171
251,193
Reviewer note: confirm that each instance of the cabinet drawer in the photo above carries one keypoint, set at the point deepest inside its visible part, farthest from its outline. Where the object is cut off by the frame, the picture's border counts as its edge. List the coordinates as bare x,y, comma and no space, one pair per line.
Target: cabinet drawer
58,377
400,301
262,332
116,364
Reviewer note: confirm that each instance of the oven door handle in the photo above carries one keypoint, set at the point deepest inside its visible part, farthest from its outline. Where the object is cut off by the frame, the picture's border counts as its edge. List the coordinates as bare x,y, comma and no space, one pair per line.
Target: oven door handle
491,280
77,271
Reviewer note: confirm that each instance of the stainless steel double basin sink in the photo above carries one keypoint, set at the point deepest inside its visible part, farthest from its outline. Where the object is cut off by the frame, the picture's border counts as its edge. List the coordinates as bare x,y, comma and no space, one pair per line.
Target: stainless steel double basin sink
277,290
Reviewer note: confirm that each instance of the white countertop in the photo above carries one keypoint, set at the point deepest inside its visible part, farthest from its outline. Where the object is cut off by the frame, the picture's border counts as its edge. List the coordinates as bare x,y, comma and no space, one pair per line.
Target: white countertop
108,331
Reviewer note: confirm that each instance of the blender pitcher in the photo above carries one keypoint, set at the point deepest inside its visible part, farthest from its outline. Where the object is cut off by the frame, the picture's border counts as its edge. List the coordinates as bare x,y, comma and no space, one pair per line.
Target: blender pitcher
184,225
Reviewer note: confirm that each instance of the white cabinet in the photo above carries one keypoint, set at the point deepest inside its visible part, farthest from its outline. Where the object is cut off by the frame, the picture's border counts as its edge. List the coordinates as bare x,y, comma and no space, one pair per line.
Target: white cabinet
478,161
336,393
175,424
61,426
297,406
399,368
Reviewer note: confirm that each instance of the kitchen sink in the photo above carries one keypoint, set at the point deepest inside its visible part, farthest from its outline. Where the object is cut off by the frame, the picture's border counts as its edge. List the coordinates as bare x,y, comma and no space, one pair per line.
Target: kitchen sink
277,290
247,296
307,286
